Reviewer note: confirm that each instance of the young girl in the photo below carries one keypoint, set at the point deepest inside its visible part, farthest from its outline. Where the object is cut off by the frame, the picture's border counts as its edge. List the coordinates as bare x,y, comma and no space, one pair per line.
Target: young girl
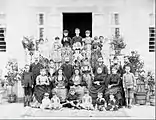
100,102
60,83
112,104
78,83
55,102
45,102
42,86
77,55
87,101
56,54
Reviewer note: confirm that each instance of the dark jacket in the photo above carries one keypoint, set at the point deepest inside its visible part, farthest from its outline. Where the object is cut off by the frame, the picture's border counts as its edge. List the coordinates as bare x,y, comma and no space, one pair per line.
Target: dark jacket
66,41
27,79
76,39
35,69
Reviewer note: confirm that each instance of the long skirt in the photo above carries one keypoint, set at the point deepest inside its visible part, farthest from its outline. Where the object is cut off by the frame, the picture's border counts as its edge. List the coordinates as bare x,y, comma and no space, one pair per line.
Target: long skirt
40,90
88,79
61,93
116,91
94,90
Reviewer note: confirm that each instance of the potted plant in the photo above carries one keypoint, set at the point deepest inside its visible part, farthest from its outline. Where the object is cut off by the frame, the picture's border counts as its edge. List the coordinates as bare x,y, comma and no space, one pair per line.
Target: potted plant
117,44
12,78
136,62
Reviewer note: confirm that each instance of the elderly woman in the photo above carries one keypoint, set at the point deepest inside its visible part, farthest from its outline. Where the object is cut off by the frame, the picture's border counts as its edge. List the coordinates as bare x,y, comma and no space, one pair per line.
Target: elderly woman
60,84
77,82
98,84
114,87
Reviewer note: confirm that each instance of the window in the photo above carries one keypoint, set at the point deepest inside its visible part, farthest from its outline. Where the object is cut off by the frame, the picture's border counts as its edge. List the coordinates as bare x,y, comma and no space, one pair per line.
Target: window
2,33
41,25
115,24
151,39
151,33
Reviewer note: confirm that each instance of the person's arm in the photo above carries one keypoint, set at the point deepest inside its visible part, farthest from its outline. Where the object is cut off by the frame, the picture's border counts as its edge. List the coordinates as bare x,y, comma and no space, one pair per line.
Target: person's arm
105,71
32,80
124,86
38,80
134,80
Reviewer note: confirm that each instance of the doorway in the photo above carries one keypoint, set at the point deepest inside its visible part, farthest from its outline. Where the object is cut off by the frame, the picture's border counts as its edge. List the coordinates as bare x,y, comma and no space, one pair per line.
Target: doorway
83,21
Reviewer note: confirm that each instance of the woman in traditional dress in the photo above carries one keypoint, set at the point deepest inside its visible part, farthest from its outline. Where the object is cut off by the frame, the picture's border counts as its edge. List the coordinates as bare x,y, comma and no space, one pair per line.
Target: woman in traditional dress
100,76
78,83
114,87
42,86
60,83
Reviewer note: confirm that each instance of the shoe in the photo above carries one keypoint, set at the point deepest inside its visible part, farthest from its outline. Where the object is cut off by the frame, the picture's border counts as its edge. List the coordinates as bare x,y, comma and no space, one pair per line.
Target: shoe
129,107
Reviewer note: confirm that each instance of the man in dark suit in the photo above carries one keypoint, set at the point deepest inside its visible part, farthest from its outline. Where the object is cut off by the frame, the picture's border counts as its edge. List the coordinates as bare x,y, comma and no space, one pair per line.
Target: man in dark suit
35,69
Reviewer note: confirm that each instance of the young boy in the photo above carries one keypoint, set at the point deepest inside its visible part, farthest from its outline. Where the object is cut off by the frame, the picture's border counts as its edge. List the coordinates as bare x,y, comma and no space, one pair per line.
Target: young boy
112,104
100,102
77,40
27,83
129,85
45,102
87,101
66,40
72,99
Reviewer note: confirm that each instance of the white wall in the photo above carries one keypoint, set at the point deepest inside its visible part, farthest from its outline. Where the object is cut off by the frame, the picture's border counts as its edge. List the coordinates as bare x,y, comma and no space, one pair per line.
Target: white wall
134,16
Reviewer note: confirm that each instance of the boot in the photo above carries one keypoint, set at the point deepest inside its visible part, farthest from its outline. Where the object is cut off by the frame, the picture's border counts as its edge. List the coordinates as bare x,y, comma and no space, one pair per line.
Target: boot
25,101
29,100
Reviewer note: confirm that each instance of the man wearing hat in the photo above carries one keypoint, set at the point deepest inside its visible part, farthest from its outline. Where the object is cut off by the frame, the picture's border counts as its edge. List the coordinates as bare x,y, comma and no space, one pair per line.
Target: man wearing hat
67,68
87,41
66,40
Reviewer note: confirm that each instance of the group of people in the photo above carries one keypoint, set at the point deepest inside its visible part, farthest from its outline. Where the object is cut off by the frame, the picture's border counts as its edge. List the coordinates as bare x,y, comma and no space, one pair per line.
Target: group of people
77,77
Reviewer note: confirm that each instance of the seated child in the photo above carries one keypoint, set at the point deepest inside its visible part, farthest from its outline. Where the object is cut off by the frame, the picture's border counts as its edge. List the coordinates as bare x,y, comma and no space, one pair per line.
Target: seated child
45,102
35,103
100,102
87,101
55,102
112,104
72,100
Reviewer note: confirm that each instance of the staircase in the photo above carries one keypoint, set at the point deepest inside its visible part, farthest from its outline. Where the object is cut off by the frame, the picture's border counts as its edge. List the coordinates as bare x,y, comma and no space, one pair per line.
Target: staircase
2,40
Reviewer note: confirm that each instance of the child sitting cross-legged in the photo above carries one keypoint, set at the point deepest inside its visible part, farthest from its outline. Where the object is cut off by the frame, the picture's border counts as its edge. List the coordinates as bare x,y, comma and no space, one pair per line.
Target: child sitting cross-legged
72,99
100,102
45,102
87,101
112,104
55,102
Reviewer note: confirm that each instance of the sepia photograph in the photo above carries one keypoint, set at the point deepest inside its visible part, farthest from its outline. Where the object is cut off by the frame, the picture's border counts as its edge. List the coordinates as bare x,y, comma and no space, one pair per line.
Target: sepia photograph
77,59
